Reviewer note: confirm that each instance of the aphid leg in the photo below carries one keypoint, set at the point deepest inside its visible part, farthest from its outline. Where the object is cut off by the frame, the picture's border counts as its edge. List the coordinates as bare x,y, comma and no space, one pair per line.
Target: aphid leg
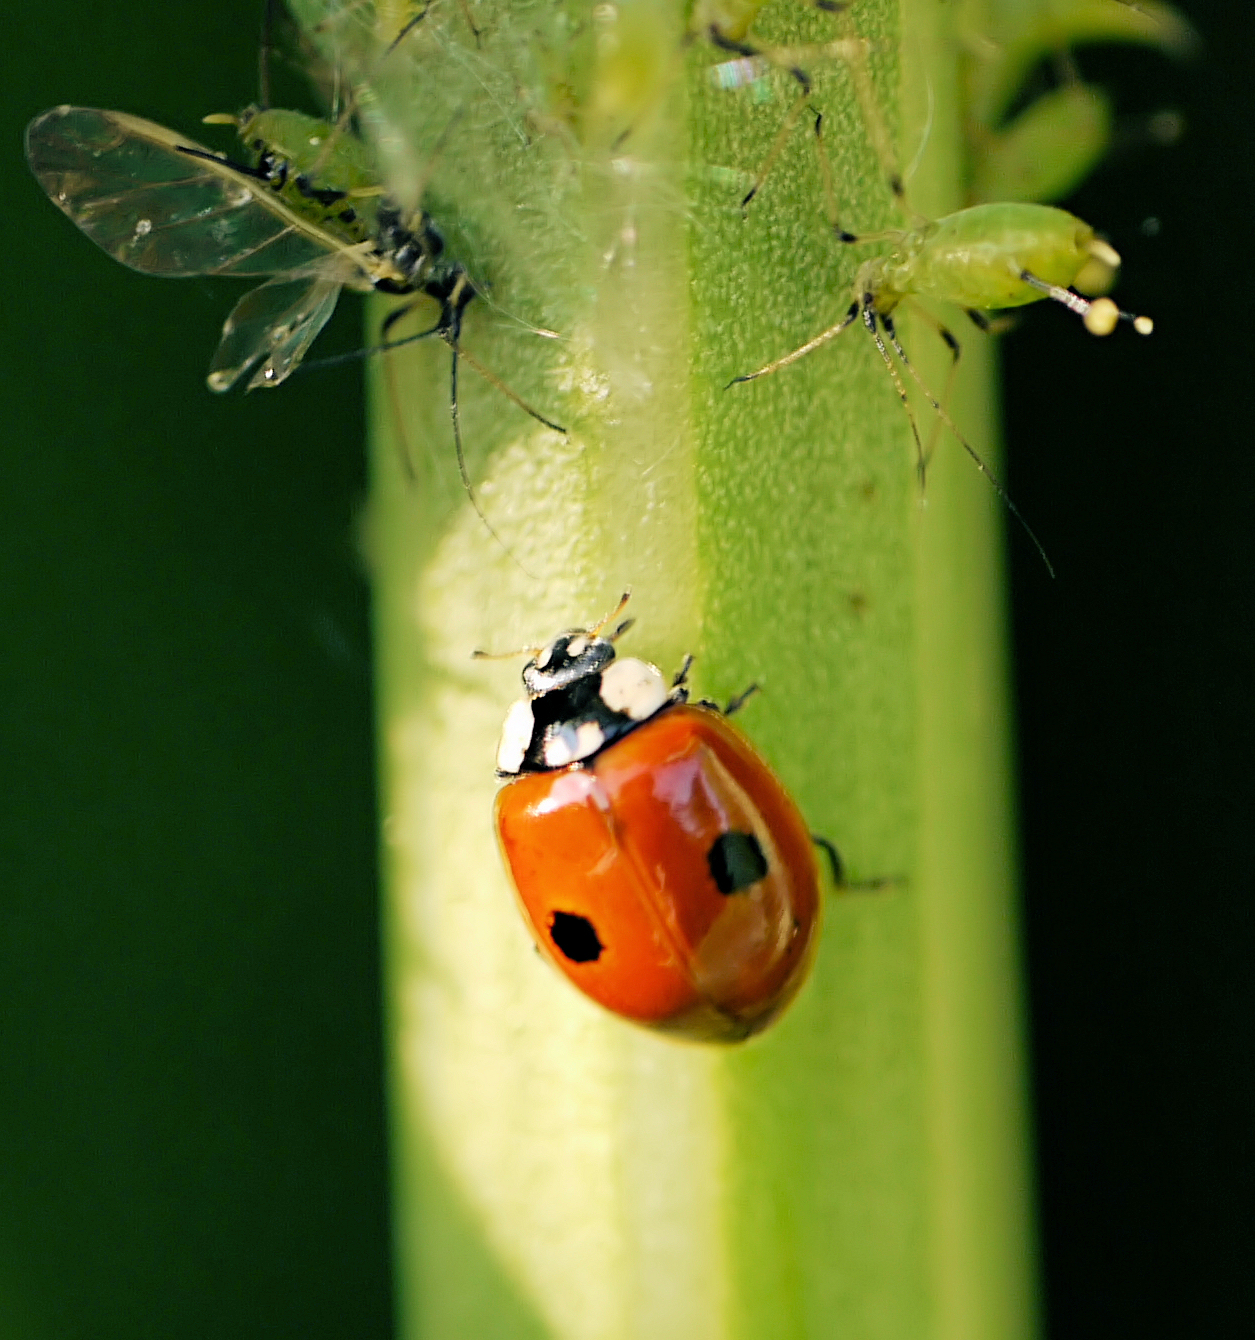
802,350
870,318
989,325
749,52
825,177
755,57
682,674
945,418
351,103
956,352
782,136
451,330
493,380
1100,315
464,6
852,52
830,197
735,704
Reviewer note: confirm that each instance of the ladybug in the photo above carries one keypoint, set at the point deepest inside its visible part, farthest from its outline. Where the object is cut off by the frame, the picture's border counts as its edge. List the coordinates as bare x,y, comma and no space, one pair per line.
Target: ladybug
660,864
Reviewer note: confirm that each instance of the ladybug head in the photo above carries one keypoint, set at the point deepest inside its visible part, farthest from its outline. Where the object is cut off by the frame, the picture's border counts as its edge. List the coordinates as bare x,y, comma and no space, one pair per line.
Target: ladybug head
575,654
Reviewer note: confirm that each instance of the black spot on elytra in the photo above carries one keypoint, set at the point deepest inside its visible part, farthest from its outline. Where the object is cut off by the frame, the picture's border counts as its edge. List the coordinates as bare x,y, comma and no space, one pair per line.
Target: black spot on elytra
736,861
575,937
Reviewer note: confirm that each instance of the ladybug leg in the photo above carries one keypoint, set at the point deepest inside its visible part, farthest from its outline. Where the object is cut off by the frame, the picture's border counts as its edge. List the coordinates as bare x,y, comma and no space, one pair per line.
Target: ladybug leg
837,866
735,704
682,674
834,859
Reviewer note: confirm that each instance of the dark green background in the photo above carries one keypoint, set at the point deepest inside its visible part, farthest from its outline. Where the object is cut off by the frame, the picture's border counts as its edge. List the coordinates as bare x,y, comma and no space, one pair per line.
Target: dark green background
1135,462
191,1121
191,1127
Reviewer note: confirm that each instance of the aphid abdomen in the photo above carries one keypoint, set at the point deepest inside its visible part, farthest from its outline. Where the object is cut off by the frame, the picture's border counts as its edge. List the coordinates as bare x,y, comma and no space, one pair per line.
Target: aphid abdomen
975,257
325,176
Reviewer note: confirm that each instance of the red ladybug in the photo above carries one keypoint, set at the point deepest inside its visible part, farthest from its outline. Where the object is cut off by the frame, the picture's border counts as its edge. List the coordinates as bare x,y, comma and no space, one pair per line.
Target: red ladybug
659,861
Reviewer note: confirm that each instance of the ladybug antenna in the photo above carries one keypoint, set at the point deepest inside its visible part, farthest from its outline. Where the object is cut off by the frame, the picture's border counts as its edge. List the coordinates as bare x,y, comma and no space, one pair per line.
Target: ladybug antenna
478,655
595,630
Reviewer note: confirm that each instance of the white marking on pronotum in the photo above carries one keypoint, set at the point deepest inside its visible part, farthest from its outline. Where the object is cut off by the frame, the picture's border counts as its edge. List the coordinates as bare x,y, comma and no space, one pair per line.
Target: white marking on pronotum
571,742
516,735
634,688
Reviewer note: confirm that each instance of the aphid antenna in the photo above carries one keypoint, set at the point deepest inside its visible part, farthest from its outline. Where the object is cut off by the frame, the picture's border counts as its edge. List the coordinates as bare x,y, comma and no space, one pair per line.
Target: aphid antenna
801,351
925,134
781,139
869,314
956,353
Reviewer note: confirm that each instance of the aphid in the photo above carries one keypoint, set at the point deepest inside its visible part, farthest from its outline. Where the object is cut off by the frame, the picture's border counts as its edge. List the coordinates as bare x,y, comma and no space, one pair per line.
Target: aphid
162,204
308,212
981,259
659,862
1043,152
727,25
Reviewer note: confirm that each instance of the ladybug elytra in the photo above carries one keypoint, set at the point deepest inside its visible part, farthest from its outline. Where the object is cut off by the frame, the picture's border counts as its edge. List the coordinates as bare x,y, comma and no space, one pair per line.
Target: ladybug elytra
660,863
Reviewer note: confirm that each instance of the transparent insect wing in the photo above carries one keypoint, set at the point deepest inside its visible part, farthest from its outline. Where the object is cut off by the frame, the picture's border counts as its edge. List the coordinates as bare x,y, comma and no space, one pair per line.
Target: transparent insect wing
123,181
276,322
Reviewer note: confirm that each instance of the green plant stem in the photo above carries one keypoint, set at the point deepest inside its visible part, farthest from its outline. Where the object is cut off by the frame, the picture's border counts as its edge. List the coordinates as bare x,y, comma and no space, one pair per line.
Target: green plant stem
860,1170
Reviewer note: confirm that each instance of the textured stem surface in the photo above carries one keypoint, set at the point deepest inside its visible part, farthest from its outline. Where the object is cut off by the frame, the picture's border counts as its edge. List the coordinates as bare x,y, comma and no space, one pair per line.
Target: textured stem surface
860,1170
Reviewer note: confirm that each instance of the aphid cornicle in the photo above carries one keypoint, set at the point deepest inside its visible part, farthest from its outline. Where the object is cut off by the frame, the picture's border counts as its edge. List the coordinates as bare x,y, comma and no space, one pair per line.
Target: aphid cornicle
659,862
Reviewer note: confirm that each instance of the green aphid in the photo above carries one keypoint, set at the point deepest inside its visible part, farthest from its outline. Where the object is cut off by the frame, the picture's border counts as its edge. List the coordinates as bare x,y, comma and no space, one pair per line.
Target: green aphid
324,173
307,211
981,259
